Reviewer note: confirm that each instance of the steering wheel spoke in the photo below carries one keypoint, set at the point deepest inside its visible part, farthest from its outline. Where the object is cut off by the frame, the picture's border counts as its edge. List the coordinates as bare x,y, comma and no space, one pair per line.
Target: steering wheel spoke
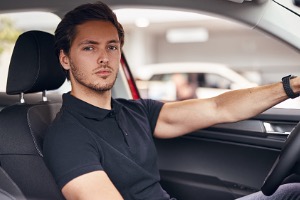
283,165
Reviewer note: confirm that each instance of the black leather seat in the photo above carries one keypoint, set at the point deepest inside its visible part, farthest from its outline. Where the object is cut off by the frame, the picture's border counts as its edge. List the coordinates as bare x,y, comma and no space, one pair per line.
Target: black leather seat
33,68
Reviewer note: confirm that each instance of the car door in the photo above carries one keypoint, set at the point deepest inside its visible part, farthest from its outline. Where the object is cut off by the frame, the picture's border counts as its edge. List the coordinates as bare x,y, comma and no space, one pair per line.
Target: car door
225,161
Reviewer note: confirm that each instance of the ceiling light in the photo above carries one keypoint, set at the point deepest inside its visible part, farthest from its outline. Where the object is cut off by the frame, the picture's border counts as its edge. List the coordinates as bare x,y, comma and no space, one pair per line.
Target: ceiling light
142,22
185,35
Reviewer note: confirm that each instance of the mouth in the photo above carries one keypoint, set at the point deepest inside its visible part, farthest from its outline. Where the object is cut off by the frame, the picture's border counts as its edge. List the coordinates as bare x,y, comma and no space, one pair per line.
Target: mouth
104,73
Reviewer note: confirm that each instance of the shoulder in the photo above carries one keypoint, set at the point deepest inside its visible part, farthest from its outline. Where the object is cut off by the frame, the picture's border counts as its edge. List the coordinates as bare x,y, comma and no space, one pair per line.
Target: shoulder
65,132
143,109
64,123
140,103
68,149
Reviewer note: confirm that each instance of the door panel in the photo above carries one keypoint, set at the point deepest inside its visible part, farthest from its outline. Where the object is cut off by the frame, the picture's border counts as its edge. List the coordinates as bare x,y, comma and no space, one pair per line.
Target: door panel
224,161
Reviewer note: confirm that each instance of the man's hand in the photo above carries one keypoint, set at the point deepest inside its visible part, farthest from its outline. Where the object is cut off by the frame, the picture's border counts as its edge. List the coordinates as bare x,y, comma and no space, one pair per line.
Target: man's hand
91,186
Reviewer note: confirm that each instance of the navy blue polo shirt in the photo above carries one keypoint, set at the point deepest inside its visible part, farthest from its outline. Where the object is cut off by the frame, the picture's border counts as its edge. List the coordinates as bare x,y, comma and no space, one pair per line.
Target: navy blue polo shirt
84,138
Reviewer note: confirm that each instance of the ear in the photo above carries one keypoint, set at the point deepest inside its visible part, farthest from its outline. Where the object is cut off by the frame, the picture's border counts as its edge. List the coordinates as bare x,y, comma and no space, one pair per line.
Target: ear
64,60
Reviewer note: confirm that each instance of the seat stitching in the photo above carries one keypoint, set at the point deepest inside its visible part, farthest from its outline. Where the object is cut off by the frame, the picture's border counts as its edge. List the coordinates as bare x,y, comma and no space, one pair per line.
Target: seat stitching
32,132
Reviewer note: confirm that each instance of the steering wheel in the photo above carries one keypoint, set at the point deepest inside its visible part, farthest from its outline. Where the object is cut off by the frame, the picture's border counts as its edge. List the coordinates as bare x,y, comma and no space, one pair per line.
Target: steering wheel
284,163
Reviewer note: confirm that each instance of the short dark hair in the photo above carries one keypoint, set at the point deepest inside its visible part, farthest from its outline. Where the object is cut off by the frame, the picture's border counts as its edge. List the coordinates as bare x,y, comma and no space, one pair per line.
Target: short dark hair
66,29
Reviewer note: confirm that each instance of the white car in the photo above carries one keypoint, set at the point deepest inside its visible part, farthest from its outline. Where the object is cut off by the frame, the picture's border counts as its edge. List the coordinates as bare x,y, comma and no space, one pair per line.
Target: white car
173,81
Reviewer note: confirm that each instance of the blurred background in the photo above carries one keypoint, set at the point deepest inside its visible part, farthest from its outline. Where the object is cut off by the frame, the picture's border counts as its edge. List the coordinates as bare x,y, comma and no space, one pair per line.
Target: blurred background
177,55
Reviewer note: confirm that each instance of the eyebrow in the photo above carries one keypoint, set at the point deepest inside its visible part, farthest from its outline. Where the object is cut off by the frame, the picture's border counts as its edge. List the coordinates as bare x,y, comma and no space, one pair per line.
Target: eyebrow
95,42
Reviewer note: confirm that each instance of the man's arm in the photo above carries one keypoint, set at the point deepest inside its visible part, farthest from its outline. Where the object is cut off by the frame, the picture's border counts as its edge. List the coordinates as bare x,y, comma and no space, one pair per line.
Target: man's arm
91,186
178,118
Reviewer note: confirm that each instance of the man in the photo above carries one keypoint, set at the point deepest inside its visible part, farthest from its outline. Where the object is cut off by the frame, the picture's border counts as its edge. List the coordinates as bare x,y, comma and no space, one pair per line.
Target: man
102,148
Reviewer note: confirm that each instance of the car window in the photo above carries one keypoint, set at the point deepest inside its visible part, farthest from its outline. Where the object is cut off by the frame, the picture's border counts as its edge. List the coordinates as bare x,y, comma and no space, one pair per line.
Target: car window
235,55
216,81
207,80
12,25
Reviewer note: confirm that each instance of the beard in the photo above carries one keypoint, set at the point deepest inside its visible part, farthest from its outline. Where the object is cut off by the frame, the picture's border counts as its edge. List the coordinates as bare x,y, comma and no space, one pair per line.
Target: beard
98,87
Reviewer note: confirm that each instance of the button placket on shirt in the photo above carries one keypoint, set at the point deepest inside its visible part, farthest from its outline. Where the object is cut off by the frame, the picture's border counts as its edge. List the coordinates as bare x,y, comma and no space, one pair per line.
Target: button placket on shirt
123,130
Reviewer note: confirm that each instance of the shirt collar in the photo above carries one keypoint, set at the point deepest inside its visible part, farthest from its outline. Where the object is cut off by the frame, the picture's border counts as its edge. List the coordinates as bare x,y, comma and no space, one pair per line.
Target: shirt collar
74,104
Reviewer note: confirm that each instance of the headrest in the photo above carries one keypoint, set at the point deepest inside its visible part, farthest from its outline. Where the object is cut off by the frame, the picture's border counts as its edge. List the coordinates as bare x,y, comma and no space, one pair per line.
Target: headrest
34,66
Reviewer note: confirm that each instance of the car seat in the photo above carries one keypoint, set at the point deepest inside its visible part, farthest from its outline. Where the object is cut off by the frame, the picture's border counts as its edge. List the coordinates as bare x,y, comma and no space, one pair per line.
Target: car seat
33,68
8,189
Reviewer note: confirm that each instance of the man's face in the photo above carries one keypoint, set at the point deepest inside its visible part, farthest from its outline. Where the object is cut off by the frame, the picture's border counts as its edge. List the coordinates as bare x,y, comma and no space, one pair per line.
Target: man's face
94,57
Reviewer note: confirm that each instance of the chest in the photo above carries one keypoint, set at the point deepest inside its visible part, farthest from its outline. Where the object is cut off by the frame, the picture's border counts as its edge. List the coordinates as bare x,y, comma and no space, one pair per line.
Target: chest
129,136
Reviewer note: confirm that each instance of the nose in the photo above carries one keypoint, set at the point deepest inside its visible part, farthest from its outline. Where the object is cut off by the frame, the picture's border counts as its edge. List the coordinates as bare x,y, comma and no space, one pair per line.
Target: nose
103,57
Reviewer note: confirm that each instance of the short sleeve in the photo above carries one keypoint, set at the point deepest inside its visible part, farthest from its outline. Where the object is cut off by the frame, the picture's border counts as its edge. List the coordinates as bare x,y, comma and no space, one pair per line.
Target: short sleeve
153,109
70,153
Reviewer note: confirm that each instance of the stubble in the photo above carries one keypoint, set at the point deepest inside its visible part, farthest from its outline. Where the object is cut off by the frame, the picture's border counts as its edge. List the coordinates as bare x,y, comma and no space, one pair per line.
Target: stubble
101,86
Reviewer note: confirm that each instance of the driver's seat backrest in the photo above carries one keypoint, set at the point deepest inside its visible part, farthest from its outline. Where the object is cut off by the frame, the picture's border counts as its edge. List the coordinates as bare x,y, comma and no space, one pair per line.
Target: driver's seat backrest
33,68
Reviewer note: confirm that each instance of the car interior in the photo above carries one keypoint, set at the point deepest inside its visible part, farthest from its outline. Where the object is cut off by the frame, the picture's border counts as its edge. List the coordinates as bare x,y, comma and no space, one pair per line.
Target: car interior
23,172
222,162
22,125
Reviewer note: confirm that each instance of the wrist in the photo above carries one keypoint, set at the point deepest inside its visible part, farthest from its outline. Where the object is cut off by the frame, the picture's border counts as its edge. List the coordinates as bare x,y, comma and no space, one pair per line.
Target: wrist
289,87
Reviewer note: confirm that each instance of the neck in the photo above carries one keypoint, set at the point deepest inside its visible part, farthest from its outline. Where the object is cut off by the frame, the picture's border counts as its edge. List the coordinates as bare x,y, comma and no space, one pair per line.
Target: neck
95,98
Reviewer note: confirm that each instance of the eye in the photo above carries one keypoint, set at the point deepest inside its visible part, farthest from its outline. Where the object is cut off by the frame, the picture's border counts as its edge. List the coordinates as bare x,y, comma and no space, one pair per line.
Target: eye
113,47
88,48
